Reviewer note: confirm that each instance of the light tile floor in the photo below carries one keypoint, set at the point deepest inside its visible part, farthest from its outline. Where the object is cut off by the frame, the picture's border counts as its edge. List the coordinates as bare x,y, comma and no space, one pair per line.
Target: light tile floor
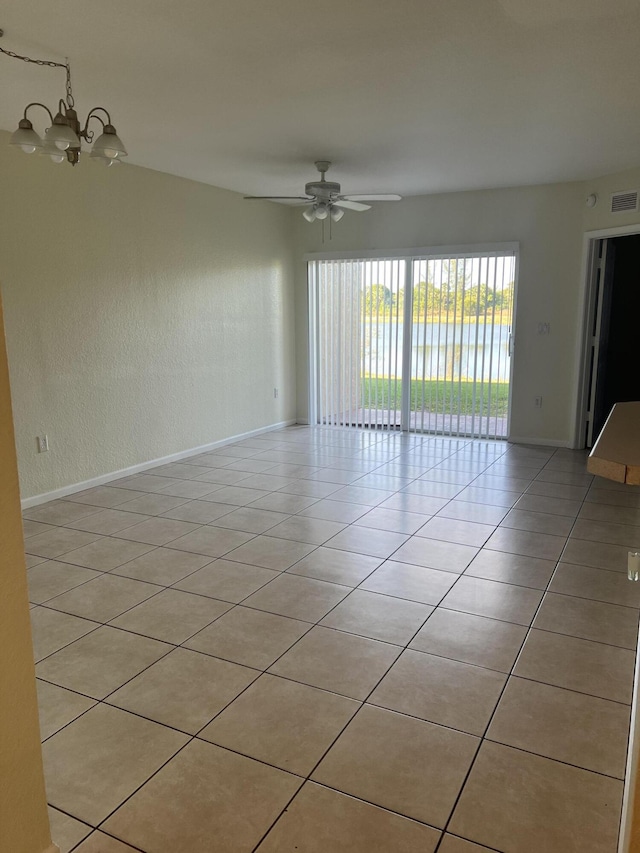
338,641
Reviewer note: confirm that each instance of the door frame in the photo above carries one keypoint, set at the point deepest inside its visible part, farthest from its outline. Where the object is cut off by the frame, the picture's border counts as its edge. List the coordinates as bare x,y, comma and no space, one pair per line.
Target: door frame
630,807
587,313
446,251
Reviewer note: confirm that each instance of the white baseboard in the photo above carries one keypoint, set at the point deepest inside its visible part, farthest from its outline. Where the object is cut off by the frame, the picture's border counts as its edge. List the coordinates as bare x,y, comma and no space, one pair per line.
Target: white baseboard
26,503
542,442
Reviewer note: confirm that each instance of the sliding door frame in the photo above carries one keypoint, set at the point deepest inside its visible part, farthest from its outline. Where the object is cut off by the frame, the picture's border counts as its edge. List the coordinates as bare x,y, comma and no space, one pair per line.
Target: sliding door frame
408,255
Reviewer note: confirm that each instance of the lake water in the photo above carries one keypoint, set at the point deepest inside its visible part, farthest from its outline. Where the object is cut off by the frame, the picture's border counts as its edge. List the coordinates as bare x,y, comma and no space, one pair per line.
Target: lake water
439,350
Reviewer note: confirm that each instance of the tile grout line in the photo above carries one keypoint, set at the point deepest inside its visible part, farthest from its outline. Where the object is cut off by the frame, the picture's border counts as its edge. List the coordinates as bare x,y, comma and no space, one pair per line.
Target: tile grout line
339,734
488,725
192,738
397,491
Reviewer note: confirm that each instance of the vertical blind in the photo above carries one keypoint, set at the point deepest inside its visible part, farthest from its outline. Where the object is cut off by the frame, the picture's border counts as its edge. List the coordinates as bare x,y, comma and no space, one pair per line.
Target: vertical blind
414,343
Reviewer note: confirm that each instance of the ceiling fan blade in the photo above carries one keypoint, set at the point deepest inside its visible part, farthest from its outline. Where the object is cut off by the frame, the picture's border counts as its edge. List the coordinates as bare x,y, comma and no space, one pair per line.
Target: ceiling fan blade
374,197
351,205
280,197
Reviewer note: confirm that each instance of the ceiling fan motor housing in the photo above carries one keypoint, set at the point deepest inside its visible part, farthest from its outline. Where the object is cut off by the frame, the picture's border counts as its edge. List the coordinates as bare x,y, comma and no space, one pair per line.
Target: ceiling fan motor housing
322,189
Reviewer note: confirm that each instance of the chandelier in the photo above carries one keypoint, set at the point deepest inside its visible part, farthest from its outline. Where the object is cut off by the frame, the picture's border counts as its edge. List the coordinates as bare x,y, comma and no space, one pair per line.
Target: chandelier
62,139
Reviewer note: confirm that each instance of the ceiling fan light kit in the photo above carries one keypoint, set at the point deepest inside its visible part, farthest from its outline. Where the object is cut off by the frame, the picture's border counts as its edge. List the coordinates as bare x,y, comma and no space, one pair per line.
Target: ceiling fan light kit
321,211
324,199
62,140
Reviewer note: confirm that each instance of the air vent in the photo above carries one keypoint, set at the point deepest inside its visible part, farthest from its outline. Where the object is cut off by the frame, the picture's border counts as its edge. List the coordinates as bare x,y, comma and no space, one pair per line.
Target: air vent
626,202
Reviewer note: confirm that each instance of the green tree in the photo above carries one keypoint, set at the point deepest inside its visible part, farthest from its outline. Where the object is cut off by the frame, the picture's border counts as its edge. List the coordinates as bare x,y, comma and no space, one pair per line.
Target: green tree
456,278
506,297
434,299
420,298
480,300
378,299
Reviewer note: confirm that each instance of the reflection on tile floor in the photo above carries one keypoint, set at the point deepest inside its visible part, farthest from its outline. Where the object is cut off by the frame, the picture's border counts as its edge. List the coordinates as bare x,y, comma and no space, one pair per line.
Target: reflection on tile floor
338,641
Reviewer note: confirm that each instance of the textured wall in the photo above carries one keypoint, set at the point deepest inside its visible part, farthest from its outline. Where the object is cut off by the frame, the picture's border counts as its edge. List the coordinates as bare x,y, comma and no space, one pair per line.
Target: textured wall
547,222
600,216
24,825
145,315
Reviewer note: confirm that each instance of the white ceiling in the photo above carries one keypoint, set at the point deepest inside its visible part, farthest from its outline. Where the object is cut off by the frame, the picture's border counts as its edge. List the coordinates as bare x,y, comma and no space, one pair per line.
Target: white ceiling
408,96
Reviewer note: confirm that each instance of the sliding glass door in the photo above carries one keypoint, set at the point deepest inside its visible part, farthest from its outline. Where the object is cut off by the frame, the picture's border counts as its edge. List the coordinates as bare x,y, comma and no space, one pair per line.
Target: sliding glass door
419,342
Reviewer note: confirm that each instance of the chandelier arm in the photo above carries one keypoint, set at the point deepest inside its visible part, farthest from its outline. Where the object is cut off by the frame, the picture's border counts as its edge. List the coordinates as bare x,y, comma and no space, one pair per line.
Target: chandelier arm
87,134
92,114
38,104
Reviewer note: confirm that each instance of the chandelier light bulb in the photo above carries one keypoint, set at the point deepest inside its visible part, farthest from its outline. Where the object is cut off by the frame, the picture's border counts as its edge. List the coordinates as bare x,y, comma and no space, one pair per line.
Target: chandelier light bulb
108,161
62,135
109,144
322,211
101,157
25,137
309,214
336,213
52,151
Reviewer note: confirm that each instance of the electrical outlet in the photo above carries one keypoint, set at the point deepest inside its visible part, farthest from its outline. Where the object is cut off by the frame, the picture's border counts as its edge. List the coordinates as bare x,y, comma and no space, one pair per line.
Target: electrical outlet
43,443
275,393
537,402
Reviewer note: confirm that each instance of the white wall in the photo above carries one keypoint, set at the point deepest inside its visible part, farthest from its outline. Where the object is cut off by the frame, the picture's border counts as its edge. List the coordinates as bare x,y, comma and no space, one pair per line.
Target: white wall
547,221
145,315
599,217
24,824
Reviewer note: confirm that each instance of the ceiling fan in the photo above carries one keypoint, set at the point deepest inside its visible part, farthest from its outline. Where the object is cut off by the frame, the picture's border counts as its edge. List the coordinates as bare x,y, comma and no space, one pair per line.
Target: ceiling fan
324,199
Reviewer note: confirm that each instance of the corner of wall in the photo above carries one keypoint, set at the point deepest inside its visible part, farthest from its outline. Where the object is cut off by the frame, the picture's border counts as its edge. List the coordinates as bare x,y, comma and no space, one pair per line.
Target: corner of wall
23,805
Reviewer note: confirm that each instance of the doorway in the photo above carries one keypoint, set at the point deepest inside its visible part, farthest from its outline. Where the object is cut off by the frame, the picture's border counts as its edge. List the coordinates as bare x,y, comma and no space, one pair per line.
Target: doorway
611,371
418,342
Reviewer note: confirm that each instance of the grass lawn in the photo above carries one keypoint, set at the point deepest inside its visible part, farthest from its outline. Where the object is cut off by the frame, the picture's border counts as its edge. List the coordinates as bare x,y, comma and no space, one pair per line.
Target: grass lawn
443,398
500,318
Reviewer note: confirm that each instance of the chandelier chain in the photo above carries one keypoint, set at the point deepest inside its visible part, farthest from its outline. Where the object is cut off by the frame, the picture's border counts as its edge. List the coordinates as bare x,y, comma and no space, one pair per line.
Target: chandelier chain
70,100
49,63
